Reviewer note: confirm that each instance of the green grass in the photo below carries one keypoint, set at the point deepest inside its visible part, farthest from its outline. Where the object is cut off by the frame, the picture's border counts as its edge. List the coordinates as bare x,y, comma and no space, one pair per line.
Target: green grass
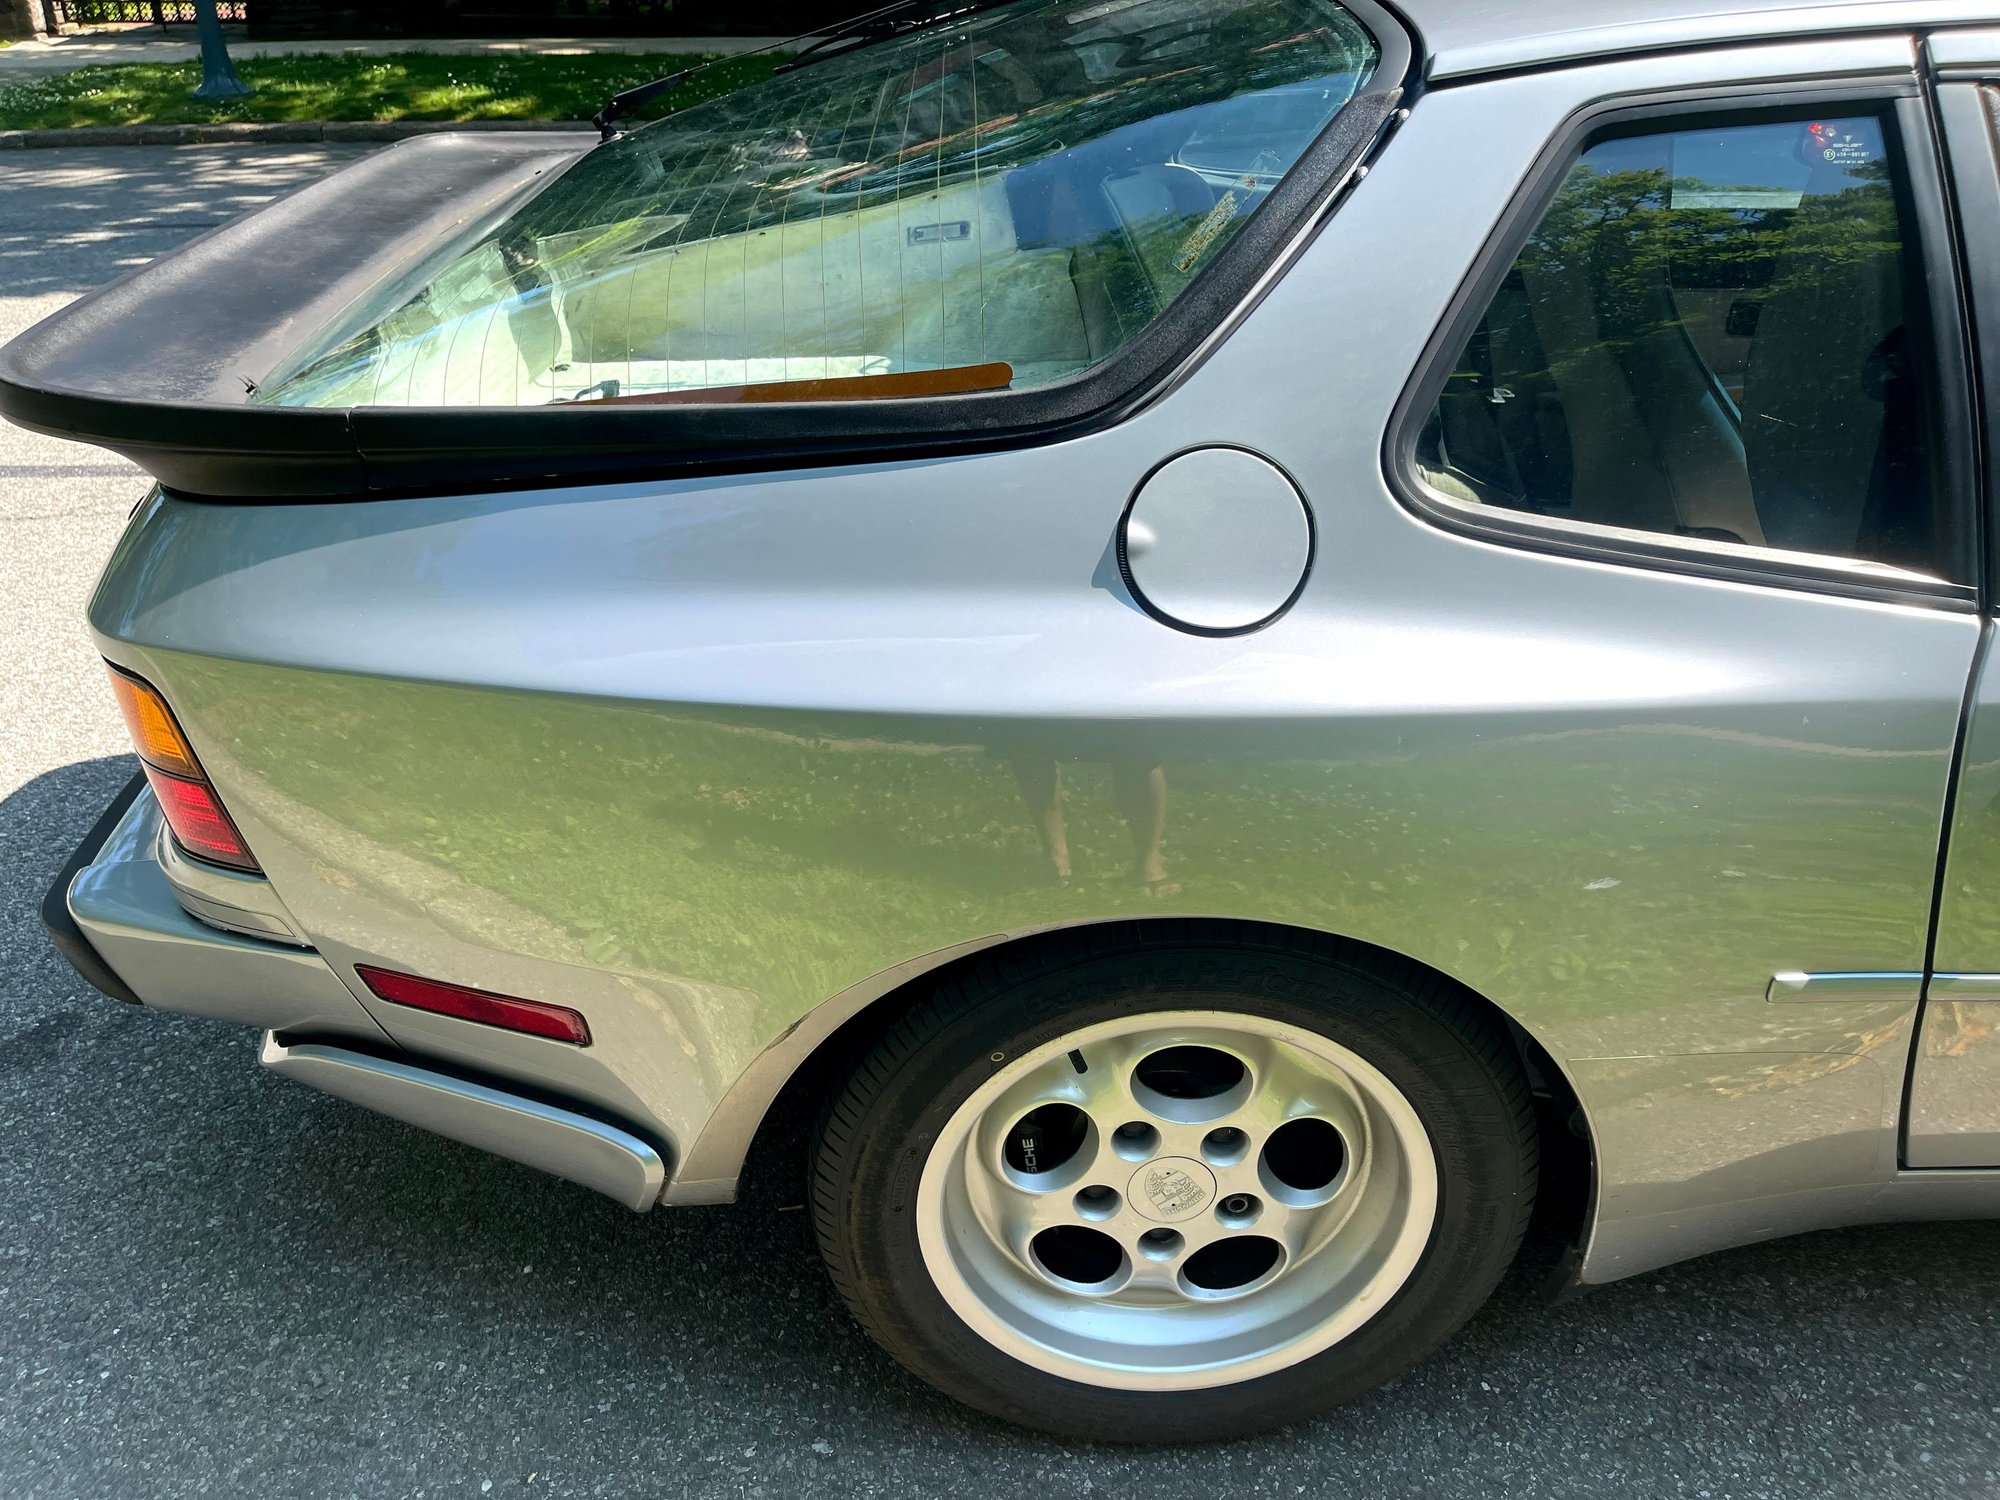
389,86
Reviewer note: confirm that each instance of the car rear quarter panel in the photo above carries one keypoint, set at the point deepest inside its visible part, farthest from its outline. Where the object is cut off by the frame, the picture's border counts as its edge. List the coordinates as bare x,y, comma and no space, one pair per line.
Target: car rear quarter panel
695,757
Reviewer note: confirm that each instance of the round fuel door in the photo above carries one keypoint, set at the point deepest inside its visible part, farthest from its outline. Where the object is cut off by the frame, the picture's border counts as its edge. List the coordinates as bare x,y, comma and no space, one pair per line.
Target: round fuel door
1217,541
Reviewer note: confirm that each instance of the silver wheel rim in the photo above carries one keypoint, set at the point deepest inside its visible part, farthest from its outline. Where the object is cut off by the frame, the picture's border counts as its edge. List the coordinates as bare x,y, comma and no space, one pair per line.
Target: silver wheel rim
1235,1254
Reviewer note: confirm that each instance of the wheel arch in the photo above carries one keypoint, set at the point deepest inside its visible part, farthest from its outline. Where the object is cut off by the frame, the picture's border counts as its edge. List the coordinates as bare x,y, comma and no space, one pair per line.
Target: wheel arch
756,1140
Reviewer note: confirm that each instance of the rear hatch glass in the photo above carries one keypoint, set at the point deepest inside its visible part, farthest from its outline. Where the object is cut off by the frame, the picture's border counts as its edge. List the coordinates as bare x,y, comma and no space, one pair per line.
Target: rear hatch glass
999,202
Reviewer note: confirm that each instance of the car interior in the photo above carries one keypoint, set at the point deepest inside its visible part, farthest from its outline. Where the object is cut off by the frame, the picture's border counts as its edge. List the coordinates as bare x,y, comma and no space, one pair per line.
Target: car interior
1706,337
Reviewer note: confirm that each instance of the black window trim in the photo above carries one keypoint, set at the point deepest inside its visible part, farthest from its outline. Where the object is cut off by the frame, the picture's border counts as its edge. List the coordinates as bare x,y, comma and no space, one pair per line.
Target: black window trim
1971,139
1898,100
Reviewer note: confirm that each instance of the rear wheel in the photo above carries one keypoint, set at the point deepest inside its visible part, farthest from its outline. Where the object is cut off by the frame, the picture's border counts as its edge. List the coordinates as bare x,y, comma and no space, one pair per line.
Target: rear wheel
1158,1188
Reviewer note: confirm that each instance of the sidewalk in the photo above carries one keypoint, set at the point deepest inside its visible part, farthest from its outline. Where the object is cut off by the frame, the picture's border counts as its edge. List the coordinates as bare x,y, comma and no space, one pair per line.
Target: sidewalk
44,57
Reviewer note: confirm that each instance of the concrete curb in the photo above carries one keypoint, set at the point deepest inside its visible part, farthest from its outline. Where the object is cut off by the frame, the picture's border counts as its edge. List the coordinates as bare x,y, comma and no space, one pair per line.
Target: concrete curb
260,132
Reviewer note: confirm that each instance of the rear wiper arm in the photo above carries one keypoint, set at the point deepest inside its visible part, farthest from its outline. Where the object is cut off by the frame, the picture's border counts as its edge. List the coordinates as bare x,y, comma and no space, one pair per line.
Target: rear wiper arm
859,31
606,118
879,26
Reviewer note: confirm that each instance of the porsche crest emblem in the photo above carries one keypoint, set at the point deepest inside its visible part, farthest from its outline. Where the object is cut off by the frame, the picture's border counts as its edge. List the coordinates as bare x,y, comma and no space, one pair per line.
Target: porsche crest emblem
1174,1193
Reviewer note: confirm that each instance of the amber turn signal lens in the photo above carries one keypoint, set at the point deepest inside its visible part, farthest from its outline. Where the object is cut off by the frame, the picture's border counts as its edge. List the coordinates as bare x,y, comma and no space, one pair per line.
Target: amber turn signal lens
155,735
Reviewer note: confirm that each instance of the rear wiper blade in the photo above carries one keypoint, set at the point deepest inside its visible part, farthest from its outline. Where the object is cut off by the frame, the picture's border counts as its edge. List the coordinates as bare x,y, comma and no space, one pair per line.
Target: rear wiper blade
859,31
879,26
606,118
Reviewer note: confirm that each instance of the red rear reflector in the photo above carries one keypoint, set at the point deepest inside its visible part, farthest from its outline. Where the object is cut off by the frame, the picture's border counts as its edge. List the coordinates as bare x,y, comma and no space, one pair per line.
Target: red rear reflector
200,825
556,1022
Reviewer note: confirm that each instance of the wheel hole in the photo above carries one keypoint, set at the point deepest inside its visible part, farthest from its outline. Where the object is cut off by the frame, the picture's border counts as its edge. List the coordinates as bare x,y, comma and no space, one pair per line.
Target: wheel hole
1046,1138
1239,1210
1305,1155
1098,1201
1189,1072
1135,1140
1161,1244
1231,1264
1072,1253
1225,1146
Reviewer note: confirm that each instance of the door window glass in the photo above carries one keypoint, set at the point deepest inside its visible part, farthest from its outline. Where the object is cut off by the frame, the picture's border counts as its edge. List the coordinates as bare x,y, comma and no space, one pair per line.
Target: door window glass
1710,335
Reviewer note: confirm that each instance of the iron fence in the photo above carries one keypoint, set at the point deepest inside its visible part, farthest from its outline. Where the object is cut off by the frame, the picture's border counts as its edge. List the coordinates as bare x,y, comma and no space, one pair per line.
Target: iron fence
61,13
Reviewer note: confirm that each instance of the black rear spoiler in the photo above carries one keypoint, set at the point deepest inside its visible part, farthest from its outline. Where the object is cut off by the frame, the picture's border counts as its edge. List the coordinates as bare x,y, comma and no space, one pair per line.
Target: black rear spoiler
159,365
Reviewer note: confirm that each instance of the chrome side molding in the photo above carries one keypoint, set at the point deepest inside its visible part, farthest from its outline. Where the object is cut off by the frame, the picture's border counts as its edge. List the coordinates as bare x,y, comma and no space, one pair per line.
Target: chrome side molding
1792,986
1965,987
1886,984
562,1142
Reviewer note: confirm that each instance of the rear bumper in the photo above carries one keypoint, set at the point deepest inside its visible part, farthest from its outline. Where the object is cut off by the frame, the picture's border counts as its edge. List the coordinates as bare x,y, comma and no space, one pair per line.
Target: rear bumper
119,913
62,927
115,915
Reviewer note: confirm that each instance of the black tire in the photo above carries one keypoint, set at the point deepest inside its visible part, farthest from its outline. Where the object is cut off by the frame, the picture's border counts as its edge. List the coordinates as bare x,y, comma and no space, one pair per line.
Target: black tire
1451,1059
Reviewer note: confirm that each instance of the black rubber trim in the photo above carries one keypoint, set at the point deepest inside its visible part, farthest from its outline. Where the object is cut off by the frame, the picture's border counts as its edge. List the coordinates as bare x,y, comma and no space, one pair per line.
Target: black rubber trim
63,931
1896,100
1970,116
156,366
1943,317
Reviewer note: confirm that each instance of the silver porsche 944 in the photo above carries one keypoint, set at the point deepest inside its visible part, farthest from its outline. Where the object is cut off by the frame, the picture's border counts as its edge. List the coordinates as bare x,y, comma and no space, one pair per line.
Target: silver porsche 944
1182,656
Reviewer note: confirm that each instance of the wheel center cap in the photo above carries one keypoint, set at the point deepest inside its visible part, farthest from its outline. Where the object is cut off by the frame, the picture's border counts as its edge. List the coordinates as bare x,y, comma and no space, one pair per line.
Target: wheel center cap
1171,1188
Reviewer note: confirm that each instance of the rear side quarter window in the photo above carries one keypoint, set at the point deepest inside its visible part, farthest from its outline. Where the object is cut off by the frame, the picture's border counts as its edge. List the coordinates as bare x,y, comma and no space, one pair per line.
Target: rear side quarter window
1714,340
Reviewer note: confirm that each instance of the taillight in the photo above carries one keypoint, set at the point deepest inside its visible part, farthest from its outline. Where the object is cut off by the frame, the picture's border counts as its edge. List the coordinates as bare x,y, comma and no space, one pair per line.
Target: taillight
557,1022
187,800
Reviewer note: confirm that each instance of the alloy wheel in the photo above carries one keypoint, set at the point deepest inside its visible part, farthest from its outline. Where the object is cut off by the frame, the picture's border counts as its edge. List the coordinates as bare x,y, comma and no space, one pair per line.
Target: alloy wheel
1176,1200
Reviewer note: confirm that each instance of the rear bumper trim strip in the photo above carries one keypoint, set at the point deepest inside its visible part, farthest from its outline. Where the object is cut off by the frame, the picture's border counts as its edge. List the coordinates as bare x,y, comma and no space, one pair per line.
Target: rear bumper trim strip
560,1141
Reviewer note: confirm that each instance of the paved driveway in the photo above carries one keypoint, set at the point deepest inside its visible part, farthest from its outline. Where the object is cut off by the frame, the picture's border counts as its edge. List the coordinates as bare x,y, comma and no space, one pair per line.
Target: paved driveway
214,1282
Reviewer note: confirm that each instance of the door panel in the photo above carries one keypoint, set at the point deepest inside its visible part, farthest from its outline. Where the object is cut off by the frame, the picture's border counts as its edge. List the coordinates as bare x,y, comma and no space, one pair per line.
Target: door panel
1955,1100
1954,1109
1954,1115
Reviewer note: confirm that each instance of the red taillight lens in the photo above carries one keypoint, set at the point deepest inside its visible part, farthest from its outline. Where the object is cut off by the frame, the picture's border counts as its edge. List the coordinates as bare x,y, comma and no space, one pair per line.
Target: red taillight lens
200,825
557,1022
187,801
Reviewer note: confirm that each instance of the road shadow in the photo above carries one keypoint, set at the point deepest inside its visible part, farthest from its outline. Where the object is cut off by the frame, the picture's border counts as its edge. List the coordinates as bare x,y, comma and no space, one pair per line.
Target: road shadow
237,1270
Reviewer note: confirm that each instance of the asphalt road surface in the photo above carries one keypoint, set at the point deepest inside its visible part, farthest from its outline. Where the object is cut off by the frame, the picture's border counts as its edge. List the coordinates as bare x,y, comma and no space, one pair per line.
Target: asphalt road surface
215,1282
